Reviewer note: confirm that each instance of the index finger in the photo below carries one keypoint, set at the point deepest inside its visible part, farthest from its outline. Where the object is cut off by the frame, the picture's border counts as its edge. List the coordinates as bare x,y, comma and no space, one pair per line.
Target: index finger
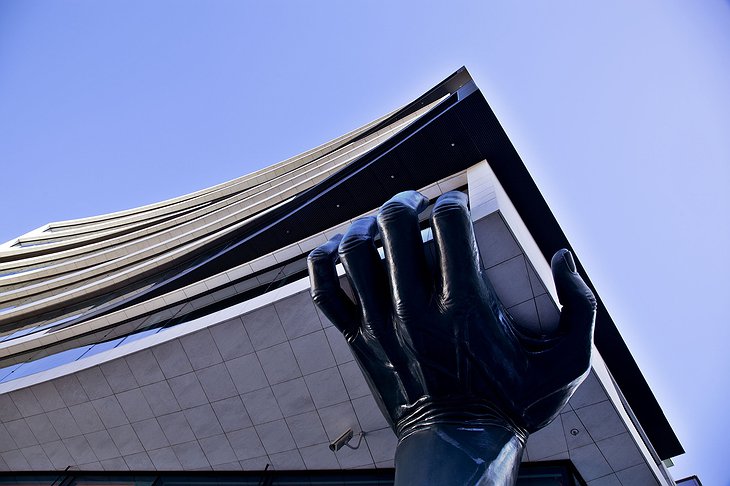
326,291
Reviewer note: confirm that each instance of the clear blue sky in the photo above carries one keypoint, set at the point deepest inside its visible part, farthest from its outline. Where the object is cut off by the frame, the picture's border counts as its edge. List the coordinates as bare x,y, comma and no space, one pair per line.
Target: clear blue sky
620,110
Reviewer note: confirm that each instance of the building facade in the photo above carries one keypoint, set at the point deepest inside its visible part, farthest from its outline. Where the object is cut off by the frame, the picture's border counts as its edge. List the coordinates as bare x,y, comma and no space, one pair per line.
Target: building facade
180,336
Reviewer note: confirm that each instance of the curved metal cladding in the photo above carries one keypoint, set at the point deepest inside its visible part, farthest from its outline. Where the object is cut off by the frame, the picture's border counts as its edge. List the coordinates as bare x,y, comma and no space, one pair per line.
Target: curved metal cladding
77,287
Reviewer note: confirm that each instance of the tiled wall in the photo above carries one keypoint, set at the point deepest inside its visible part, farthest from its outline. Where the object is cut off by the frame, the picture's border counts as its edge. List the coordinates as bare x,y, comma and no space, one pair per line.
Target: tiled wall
271,387
274,386
513,277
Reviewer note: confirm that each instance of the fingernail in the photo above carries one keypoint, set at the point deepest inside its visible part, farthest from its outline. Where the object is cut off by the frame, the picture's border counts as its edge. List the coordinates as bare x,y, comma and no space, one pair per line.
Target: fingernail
568,257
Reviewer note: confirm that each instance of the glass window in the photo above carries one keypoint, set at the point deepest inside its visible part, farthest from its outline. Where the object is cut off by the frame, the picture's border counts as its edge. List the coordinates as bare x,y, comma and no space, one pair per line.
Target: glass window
45,363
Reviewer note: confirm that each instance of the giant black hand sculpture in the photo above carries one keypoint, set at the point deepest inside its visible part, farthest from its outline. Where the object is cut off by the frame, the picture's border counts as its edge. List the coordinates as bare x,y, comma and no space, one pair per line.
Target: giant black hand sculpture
460,384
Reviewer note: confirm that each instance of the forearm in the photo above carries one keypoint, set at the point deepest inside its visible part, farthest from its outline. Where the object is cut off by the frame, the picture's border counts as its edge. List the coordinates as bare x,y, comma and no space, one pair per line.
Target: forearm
445,454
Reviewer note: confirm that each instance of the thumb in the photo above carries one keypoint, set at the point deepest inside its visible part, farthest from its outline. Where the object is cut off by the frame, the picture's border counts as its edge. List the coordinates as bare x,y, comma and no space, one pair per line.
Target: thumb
579,303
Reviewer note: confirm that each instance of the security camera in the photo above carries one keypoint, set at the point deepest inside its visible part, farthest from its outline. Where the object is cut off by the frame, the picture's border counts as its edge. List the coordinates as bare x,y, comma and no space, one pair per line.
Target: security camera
341,441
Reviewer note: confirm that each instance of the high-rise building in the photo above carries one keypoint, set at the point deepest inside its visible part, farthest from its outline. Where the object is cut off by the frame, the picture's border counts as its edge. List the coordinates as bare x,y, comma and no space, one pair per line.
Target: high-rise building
181,335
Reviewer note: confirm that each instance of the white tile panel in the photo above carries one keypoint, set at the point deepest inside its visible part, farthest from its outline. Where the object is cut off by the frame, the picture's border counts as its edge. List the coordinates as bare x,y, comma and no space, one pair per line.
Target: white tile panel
70,389
188,390
160,398
164,459
145,367
201,349
102,445
293,397
312,351
80,450
26,402
319,457
639,475
275,436
547,442
15,460
608,480
338,418
287,461
354,380
306,429
169,360
231,414
36,458
139,461
382,445
63,423
620,451
590,462
247,373
86,417
231,339
297,316
574,431
58,455
218,450
42,429
326,388
176,428
368,414
118,375
246,444
264,328
262,406
217,383
134,405
340,349
601,420
115,464
94,383
279,363
354,458
203,421
126,440
286,253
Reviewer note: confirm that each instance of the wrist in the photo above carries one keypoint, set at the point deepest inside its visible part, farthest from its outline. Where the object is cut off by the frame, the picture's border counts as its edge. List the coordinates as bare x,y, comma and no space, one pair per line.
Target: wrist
446,454
463,412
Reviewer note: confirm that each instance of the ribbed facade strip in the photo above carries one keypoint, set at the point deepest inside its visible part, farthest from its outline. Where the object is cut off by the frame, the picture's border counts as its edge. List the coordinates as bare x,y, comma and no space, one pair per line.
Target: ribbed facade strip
160,245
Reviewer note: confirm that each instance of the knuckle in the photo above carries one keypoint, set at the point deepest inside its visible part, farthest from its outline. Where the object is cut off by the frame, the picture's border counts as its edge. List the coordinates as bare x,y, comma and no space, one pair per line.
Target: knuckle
321,297
394,211
318,255
449,208
591,302
352,242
